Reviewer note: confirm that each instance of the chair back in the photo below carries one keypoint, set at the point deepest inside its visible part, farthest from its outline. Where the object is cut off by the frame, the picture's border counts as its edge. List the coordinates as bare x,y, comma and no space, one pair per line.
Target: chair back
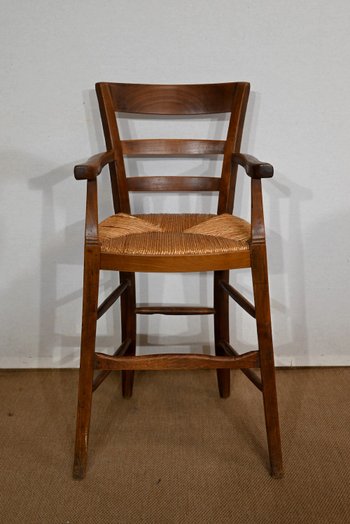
172,100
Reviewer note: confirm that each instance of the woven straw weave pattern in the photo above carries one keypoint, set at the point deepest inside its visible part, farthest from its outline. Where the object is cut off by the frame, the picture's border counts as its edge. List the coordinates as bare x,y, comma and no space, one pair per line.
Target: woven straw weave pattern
173,235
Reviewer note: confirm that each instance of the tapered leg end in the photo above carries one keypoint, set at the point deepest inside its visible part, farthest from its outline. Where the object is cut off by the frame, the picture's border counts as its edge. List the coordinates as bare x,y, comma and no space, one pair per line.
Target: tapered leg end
127,383
277,473
224,377
79,470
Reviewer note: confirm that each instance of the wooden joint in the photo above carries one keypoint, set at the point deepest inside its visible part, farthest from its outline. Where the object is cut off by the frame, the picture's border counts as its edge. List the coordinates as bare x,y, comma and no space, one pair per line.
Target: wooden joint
91,241
258,241
101,377
249,373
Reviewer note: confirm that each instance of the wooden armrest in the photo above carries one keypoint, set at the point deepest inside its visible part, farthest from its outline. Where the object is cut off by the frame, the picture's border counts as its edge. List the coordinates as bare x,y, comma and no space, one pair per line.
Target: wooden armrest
253,167
93,166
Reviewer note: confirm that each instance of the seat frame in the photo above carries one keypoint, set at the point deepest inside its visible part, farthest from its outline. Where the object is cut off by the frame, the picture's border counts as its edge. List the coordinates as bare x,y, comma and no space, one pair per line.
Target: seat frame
175,100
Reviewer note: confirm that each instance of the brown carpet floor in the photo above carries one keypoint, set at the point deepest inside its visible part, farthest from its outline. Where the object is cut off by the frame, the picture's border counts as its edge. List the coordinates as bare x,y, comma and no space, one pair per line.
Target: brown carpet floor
175,452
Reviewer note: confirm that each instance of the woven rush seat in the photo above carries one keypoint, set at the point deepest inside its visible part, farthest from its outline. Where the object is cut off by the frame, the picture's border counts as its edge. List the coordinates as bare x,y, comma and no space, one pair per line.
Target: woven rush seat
174,235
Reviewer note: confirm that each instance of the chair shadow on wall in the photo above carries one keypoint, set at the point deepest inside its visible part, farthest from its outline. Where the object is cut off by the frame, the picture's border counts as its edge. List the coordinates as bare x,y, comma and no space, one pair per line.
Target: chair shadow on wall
287,281
61,258
61,255
289,314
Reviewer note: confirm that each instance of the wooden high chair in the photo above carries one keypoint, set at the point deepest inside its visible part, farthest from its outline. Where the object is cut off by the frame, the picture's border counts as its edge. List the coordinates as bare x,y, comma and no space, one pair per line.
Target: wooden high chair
129,243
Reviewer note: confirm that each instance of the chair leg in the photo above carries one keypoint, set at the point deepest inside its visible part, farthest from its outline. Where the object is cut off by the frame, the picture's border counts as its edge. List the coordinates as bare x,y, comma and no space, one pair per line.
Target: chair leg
221,329
88,337
128,317
263,321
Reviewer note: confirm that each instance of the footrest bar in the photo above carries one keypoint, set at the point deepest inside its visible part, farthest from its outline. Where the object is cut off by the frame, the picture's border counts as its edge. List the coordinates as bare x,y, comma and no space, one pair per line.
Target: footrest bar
174,310
176,361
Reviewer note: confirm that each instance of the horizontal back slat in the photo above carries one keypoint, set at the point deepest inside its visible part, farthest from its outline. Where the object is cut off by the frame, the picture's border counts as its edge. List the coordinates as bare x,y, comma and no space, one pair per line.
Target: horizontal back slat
159,147
195,99
173,183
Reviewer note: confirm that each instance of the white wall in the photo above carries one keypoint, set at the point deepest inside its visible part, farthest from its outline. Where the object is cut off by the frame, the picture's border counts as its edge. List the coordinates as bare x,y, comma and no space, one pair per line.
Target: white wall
296,56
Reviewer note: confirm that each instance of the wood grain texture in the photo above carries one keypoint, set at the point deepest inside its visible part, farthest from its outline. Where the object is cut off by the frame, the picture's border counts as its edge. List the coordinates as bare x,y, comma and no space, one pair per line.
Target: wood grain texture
91,215
172,100
172,147
195,99
93,166
86,372
233,145
221,329
111,132
253,167
174,310
257,213
102,375
173,183
128,324
267,366
249,373
175,264
175,361
238,298
109,301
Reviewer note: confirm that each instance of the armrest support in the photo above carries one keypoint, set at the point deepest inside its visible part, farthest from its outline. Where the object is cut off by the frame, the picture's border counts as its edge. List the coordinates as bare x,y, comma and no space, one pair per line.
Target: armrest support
253,167
91,216
93,166
257,213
